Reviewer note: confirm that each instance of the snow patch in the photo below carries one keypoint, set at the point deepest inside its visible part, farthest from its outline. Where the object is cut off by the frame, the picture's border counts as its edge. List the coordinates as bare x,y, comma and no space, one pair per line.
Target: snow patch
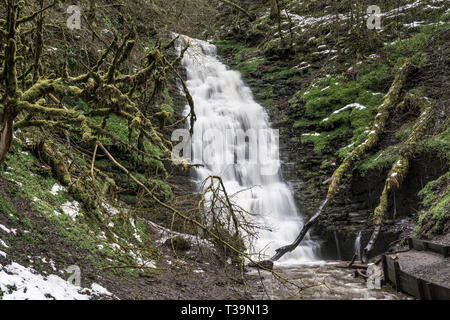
349,106
21,283
72,209
112,210
315,134
57,188
135,234
98,289
8,230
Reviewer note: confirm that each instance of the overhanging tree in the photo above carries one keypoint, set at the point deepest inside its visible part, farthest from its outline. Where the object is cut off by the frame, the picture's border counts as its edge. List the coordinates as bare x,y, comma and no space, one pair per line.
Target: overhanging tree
36,101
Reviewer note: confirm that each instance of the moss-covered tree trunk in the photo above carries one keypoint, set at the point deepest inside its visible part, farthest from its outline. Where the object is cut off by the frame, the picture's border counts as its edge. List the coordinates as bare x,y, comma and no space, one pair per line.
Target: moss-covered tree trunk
400,168
9,112
7,122
274,9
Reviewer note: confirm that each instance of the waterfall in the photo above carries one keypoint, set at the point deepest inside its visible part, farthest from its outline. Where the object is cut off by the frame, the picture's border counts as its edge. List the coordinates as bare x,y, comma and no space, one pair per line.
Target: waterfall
358,247
225,107
338,246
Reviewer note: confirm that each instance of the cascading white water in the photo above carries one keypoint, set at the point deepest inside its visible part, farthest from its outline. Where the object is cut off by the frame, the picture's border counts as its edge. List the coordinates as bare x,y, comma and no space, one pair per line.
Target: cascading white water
358,247
223,103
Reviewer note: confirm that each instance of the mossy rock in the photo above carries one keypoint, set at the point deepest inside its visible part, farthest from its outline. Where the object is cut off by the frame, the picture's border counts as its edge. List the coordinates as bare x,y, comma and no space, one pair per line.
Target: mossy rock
178,243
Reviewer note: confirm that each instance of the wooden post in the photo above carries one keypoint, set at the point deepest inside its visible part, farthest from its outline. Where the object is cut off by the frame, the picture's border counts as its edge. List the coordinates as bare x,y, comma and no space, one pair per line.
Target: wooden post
445,251
421,289
385,269
430,290
397,276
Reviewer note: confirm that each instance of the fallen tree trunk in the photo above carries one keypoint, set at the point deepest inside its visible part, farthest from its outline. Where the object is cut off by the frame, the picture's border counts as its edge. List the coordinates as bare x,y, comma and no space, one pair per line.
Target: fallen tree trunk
353,266
283,250
390,100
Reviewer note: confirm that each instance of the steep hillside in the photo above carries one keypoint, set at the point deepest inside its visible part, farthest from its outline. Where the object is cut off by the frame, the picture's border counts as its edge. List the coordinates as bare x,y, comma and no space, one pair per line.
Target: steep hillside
323,75
88,191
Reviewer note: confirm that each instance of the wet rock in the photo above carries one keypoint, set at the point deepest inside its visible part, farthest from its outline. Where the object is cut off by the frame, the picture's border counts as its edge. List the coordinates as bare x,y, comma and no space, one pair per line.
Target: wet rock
178,243
266,264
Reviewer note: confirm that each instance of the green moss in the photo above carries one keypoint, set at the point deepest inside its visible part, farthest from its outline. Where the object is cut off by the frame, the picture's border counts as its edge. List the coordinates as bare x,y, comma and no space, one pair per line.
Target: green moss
381,161
118,126
120,244
438,144
323,140
398,52
169,109
436,199
404,131
6,208
375,76
248,66
430,193
332,107
305,123
227,46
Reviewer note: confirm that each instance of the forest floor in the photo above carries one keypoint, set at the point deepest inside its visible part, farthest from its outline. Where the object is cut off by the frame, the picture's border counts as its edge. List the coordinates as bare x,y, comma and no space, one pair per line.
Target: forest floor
194,274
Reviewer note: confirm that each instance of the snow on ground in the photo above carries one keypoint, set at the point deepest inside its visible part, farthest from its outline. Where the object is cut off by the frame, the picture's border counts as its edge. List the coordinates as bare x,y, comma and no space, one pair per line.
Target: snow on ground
136,235
164,234
5,229
21,283
314,134
57,188
352,105
3,243
72,209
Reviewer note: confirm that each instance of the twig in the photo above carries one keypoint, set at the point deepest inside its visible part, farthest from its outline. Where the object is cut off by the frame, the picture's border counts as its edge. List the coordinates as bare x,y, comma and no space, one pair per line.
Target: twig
93,162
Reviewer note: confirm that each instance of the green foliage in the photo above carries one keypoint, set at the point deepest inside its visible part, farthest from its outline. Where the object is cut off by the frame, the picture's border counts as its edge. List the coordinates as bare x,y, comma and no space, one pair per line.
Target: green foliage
124,242
375,77
436,199
437,144
167,108
6,208
404,131
330,109
248,66
118,126
324,139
